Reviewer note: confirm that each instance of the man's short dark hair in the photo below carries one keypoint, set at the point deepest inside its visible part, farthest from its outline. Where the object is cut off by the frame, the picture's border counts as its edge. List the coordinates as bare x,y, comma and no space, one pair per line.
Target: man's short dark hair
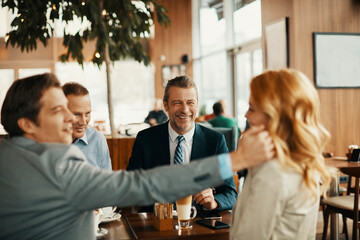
218,108
74,88
180,81
22,100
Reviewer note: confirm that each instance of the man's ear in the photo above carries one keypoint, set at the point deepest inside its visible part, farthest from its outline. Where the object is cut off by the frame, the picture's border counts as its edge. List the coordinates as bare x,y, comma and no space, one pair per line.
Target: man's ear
26,125
165,105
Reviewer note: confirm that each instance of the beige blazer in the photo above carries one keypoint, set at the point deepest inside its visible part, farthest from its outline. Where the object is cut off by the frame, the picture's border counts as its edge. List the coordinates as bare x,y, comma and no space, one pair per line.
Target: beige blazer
274,204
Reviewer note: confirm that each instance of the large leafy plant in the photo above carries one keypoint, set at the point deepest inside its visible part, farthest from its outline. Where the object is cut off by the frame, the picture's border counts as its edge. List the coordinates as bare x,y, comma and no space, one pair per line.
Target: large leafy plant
118,28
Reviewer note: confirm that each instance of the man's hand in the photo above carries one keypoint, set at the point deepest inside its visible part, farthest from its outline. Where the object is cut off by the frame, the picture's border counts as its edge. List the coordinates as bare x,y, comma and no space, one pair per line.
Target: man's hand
254,148
206,199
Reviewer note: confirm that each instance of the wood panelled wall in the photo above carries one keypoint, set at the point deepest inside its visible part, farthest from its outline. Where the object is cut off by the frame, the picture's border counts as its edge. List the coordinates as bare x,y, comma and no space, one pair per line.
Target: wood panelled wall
120,151
172,42
340,108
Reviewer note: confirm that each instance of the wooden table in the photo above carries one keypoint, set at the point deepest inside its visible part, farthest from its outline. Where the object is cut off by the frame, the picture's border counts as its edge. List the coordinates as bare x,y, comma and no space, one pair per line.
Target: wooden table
143,229
339,163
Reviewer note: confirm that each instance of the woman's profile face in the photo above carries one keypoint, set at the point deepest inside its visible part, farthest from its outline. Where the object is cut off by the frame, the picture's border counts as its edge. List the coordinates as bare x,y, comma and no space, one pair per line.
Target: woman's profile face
255,116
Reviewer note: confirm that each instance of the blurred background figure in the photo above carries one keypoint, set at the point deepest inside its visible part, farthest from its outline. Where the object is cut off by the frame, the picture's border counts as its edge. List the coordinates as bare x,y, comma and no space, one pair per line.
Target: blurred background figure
156,116
221,119
203,116
224,105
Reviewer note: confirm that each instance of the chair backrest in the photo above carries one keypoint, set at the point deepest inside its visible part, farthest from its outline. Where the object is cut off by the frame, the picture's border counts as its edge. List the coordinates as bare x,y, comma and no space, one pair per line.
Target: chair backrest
351,172
354,172
236,182
231,136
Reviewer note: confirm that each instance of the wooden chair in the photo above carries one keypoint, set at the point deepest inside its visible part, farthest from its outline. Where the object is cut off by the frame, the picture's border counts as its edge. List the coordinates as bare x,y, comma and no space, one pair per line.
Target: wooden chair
347,205
236,182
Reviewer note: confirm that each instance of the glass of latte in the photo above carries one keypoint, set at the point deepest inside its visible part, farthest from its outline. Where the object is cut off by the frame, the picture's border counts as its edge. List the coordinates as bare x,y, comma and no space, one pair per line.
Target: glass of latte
185,212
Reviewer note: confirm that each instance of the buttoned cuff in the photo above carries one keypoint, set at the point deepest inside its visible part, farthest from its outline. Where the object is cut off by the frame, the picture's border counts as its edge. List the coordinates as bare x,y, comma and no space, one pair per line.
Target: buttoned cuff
225,166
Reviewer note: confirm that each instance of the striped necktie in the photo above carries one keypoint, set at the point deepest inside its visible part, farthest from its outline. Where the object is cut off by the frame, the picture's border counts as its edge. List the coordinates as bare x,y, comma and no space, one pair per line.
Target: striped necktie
178,157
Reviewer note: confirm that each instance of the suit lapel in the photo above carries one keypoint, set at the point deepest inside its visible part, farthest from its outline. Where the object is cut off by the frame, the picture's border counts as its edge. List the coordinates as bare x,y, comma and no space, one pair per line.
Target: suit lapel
198,145
163,146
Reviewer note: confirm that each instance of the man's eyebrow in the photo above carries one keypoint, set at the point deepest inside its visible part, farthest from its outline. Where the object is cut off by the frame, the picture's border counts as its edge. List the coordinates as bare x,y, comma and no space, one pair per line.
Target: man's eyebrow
76,112
55,107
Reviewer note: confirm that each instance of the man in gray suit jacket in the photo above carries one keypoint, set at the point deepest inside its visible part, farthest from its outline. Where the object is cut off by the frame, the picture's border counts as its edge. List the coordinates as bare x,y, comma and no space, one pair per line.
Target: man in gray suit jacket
49,191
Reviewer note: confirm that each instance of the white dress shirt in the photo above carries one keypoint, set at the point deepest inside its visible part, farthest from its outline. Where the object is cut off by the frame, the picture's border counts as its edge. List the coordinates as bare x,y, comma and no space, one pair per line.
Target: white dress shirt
186,144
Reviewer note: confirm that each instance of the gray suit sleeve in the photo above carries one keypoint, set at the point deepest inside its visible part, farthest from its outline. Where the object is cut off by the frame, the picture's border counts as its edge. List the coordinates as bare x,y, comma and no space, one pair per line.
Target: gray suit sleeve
87,187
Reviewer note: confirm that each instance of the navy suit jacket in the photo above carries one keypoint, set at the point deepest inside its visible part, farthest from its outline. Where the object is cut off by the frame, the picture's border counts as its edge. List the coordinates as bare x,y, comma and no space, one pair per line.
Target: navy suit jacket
151,149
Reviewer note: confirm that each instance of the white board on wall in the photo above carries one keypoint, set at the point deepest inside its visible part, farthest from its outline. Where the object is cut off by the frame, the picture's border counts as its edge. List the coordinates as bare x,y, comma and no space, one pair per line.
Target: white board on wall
336,60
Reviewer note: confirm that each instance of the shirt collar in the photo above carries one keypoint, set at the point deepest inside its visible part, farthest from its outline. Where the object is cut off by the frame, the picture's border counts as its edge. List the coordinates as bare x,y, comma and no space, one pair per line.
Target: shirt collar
21,141
188,136
83,138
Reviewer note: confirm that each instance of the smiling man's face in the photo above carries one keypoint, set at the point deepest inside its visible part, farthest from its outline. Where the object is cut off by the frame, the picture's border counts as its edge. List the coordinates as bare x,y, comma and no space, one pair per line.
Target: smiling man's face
182,107
80,106
54,121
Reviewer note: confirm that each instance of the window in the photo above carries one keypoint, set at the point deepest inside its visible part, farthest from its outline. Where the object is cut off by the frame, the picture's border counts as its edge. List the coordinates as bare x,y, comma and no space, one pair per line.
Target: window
27,72
132,94
91,77
248,64
247,22
212,27
243,75
6,18
227,52
214,76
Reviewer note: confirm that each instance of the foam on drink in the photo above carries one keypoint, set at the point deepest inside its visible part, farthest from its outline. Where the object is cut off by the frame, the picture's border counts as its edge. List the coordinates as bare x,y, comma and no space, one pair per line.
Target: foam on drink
183,207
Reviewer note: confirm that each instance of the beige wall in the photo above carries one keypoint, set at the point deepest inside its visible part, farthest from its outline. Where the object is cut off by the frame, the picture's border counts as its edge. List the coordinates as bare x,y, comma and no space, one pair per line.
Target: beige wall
340,108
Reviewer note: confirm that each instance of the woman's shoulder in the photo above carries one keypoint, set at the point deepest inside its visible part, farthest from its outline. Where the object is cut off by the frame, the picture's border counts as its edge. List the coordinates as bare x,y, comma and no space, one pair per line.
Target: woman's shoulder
273,169
270,166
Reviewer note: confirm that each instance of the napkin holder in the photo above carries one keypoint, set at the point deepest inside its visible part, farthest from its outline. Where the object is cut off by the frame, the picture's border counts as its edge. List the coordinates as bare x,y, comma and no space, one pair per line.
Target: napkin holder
162,219
164,224
354,156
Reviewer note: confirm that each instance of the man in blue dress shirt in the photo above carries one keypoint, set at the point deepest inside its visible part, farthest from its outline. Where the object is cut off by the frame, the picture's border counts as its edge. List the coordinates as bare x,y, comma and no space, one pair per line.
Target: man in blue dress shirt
91,142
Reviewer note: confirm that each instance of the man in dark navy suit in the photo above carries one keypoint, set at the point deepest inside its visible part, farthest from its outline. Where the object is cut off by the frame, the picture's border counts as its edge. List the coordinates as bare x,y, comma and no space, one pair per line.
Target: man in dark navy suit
158,145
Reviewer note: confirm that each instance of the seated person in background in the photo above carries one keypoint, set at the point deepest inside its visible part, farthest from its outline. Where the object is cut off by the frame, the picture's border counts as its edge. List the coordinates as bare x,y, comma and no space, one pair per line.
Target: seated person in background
48,189
91,142
203,117
220,119
156,146
280,199
156,116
